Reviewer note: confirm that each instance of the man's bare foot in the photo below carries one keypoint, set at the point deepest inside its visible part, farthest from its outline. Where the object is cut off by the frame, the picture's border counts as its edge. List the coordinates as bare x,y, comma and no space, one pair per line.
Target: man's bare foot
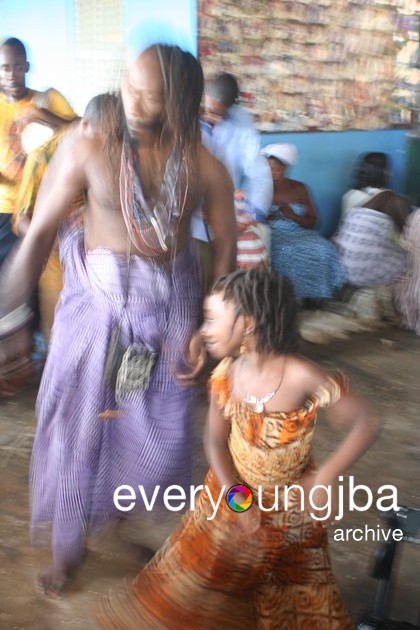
50,582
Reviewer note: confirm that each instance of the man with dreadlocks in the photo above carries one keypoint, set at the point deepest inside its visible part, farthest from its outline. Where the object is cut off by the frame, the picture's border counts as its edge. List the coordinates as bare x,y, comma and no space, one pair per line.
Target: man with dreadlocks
111,408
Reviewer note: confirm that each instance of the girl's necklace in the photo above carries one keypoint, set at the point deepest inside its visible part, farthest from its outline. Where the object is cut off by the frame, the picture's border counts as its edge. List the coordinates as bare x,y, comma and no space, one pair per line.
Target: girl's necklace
258,403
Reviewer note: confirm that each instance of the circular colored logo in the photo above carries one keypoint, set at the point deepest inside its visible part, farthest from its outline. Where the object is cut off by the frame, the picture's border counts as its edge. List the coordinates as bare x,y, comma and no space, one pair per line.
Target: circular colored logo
239,498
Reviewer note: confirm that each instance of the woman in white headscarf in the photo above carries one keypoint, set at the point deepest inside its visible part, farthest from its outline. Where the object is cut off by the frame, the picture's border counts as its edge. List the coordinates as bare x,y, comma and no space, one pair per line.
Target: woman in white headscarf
297,250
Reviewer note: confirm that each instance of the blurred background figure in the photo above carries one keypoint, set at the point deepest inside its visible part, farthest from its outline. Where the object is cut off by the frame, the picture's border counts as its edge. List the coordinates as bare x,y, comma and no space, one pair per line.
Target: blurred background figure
371,176
368,235
251,249
308,259
51,281
229,133
20,106
407,287
27,118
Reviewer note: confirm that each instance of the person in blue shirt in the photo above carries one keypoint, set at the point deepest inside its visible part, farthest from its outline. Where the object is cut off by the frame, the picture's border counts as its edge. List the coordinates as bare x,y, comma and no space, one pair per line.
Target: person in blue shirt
229,133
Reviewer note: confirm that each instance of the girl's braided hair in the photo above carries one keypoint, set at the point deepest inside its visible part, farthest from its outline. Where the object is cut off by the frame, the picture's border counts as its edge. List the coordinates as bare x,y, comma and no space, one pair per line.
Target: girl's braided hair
269,299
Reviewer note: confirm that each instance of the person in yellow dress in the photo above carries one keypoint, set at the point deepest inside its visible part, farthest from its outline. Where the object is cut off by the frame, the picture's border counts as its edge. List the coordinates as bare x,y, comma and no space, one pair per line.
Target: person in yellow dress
19,106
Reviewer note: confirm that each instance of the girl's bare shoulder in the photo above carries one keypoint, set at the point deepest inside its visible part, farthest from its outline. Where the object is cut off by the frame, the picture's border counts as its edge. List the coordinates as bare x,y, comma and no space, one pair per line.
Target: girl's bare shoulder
301,372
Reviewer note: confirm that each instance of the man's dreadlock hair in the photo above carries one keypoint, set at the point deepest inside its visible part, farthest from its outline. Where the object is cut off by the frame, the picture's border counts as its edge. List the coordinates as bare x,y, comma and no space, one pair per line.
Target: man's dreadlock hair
269,299
183,89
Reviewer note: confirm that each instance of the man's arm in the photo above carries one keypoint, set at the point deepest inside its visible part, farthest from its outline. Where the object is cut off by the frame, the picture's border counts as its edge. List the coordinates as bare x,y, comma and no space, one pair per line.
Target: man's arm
44,116
33,173
50,108
62,182
219,213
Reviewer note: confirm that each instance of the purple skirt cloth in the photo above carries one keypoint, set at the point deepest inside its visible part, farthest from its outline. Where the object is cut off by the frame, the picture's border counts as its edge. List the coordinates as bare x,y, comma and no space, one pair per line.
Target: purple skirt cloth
78,458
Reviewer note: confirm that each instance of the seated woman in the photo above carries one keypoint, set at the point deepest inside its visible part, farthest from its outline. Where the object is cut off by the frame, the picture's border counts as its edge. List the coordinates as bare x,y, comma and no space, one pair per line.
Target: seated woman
407,288
297,250
370,178
368,233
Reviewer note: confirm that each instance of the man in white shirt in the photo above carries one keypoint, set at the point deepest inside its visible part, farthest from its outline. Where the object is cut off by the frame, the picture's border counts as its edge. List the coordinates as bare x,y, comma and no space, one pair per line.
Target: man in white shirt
228,132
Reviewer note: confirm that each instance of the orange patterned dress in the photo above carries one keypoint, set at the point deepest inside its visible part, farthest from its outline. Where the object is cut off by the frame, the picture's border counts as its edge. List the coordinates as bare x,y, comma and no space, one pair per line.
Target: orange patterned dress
209,574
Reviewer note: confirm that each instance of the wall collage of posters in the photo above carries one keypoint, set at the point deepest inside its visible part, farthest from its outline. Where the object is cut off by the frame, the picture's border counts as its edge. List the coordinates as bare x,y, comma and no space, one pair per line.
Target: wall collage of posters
323,65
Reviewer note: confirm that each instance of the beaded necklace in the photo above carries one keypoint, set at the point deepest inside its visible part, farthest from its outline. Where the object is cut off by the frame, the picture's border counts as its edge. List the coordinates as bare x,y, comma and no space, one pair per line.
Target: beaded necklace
152,229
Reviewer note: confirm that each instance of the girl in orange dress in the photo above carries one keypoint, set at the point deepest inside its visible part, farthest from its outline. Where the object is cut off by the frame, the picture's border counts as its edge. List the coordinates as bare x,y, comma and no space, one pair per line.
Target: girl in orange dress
261,565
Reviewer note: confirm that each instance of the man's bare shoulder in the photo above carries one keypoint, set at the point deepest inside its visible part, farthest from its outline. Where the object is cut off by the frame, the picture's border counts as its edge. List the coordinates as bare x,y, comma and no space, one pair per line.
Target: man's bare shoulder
75,143
77,157
207,160
212,170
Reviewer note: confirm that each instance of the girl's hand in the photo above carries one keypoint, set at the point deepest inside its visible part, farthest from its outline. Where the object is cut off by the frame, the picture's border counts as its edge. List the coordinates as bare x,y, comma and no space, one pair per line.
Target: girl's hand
195,359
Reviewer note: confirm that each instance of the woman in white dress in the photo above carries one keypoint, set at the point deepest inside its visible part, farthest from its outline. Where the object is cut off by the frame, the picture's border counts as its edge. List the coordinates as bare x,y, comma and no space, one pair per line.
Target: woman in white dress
367,238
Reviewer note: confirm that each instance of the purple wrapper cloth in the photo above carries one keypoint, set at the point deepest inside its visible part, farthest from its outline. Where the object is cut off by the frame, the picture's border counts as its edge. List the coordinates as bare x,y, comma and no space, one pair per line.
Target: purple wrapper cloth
79,459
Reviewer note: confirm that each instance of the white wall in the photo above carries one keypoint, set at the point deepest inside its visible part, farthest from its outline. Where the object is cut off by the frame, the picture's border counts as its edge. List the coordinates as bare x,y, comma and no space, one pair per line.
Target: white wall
181,15
53,29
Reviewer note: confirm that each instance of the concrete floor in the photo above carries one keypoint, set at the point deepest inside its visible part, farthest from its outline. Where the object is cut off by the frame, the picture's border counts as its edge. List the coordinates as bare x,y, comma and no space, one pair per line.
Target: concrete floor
382,364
